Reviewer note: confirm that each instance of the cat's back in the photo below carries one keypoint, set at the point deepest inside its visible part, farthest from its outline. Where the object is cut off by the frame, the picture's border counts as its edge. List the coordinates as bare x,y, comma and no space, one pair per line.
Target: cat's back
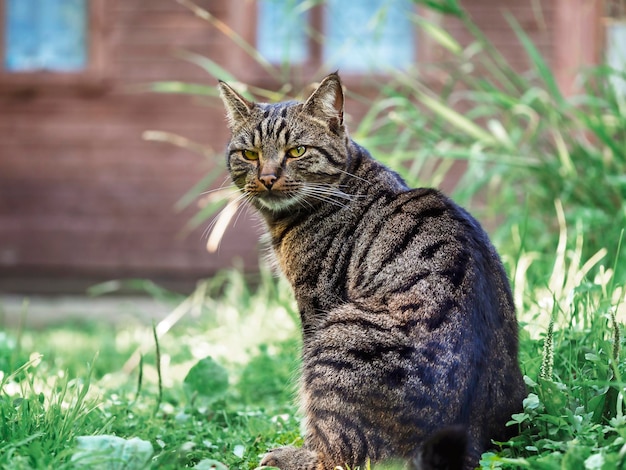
427,318
418,237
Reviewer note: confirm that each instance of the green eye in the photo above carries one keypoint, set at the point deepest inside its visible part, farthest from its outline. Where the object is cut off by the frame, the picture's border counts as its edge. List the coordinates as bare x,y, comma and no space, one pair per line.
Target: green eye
250,155
296,151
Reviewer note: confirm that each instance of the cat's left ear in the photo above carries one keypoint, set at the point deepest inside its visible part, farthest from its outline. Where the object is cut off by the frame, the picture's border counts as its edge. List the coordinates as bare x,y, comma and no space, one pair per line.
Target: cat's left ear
326,102
238,108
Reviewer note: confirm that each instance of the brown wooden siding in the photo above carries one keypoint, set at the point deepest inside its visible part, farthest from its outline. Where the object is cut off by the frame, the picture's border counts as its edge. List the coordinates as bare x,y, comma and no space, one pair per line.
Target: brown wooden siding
536,18
84,198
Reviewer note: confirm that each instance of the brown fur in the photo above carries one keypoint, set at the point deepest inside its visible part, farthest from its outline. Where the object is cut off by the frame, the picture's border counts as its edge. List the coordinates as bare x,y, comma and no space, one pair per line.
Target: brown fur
407,316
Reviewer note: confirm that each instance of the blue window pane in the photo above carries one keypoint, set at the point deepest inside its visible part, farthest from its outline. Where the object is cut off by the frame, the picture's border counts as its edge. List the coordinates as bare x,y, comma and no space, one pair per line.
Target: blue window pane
369,35
46,35
282,30
616,54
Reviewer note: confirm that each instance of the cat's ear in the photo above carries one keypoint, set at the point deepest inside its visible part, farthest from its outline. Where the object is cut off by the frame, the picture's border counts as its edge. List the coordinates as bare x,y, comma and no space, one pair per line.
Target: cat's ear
238,108
326,102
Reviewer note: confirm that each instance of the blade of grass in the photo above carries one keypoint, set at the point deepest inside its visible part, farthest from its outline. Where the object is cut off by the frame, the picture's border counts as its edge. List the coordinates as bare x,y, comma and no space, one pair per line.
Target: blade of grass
157,350
179,141
232,35
537,60
445,7
178,88
204,62
202,215
198,189
456,119
439,34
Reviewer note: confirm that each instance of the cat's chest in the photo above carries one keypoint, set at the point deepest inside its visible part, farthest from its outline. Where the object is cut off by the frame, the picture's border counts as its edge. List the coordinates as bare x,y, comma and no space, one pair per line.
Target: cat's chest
314,253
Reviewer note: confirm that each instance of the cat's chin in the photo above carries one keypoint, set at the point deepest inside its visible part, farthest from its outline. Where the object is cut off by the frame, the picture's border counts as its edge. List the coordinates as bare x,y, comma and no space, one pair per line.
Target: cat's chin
276,204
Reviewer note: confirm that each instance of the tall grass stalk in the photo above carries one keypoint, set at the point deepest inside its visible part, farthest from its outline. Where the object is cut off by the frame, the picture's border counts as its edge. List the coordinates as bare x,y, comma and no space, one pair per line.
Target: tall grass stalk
523,142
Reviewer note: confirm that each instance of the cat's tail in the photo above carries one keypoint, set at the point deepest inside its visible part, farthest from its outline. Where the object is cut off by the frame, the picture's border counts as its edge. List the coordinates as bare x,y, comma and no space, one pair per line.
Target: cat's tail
443,450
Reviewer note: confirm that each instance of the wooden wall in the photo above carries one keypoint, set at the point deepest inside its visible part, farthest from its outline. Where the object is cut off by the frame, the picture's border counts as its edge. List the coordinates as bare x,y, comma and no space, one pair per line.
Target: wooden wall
536,18
84,198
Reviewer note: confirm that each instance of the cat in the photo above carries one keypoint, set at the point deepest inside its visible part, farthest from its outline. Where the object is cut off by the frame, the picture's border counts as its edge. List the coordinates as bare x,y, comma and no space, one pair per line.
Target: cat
407,316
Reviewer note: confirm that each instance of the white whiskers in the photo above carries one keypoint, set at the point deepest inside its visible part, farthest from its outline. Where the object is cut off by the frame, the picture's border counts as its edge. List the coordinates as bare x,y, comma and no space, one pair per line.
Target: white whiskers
327,193
354,176
303,195
215,230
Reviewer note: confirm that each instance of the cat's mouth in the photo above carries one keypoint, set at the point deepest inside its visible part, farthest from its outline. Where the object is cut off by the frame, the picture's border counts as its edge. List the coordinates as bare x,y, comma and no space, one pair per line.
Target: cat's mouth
276,201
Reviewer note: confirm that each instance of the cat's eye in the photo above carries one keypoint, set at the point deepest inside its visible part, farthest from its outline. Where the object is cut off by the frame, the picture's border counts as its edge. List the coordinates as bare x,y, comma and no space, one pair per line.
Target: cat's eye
296,152
250,154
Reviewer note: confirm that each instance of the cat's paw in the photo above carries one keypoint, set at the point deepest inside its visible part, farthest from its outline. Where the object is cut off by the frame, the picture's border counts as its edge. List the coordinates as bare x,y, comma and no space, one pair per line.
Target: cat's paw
290,458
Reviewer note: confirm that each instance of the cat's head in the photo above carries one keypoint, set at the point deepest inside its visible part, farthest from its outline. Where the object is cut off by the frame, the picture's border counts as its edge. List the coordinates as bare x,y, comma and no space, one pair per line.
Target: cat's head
291,155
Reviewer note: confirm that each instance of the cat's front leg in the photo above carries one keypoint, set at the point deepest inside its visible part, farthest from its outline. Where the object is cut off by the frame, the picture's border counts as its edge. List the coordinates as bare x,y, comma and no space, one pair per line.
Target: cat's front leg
292,458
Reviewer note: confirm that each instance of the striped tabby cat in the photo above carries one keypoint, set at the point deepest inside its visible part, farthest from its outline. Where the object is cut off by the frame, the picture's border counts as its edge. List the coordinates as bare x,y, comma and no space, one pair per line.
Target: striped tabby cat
407,317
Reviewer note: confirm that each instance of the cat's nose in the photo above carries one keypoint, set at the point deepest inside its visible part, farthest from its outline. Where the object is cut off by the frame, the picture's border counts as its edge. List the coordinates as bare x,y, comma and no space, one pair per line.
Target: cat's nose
268,180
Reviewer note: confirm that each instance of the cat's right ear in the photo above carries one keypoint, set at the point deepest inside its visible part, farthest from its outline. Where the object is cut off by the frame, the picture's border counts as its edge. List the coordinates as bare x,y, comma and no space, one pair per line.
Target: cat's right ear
326,102
238,108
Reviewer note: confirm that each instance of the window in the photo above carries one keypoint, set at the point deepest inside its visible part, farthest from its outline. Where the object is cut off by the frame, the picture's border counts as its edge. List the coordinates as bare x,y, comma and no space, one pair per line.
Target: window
616,53
282,30
356,37
52,42
45,35
369,33
615,41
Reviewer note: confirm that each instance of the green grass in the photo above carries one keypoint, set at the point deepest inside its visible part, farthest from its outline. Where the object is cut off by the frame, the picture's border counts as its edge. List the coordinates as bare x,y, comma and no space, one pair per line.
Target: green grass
228,369
81,380
214,382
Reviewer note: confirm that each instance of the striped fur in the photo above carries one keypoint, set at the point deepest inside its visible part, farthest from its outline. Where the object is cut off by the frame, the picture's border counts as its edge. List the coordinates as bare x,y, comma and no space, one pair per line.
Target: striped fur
407,316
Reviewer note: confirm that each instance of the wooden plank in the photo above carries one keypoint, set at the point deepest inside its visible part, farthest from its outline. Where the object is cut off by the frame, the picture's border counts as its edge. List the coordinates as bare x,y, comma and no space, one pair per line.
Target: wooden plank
159,71
151,47
59,128
43,161
181,20
190,38
65,126
141,247
164,6
577,40
91,196
115,103
73,137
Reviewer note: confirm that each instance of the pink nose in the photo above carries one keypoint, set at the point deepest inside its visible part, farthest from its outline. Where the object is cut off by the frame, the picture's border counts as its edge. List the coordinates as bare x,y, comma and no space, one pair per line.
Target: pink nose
268,180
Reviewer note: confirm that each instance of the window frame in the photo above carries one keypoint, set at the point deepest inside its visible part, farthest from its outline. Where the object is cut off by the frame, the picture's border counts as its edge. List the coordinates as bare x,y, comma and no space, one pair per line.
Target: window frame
313,65
609,20
94,77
